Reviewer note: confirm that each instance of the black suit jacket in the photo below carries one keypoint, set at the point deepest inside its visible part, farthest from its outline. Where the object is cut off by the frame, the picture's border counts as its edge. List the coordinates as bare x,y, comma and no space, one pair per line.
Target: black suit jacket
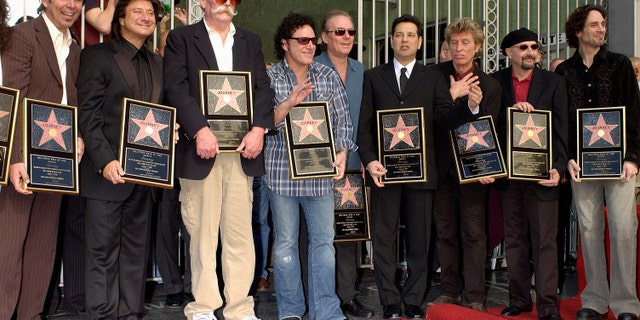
106,76
451,116
425,88
187,52
548,91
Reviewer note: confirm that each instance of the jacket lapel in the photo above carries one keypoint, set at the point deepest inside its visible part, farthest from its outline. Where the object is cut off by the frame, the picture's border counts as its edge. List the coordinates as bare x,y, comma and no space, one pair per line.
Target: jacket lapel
389,77
417,74
535,88
507,87
44,38
203,44
126,67
156,77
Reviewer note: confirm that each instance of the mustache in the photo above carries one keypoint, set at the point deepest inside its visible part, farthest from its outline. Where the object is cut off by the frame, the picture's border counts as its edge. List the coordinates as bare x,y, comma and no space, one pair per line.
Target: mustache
528,56
225,9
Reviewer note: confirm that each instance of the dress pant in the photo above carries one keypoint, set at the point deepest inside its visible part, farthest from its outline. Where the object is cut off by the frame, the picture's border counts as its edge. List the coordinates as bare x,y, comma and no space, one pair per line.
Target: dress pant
530,222
387,205
27,250
117,235
460,213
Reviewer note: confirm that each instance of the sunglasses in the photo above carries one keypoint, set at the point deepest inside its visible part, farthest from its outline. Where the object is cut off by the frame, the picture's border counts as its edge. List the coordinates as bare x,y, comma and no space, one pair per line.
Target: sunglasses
233,2
342,31
524,47
305,40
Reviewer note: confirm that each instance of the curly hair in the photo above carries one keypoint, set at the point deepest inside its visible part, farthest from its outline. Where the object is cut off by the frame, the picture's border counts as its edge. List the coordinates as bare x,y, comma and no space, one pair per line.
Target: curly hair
5,30
287,27
119,12
406,18
462,25
575,22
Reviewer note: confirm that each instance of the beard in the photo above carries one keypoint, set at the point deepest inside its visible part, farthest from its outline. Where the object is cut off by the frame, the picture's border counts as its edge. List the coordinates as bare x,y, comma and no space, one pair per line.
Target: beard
225,9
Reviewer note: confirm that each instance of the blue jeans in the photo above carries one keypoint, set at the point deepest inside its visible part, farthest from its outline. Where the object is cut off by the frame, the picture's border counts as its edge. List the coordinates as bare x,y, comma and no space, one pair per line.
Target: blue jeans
323,301
260,221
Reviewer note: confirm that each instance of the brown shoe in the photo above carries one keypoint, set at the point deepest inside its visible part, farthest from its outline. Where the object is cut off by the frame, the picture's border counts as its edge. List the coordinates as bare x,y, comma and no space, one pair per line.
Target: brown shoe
477,306
261,285
444,299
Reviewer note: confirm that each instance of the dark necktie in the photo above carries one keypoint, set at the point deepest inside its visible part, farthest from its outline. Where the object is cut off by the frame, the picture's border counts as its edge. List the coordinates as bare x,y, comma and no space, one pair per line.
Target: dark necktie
403,79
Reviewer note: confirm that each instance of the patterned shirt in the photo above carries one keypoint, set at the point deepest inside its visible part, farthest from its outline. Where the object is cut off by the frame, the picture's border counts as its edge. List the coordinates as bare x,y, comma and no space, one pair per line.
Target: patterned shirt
328,87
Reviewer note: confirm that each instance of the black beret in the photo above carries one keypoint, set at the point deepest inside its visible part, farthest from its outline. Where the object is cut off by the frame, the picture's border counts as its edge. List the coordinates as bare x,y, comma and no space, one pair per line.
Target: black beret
517,36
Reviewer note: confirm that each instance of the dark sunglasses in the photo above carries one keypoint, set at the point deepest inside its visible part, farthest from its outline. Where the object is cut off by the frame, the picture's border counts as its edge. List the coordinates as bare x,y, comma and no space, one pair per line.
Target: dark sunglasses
233,2
305,40
524,47
342,31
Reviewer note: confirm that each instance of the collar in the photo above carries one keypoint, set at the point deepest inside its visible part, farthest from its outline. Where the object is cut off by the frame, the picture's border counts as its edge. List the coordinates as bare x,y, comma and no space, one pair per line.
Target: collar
528,78
601,55
55,33
324,58
459,76
131,50
397,66
232,29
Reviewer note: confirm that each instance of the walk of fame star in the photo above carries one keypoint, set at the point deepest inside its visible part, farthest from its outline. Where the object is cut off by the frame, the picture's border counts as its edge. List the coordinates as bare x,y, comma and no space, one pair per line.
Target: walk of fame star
530,132
308,126
401,132
601,130
348,193
149,128
52,130
227,97
474,136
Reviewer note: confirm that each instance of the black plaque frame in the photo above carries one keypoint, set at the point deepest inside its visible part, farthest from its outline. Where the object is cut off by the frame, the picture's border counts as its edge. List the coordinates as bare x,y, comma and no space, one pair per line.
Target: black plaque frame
601,158
9,100
147,159
228,127
477,161
405,162
50,156
529,156
351,208
310,156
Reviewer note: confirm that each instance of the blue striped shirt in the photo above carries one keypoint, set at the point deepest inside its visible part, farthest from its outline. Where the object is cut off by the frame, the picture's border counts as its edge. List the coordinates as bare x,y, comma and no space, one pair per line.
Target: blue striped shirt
328,87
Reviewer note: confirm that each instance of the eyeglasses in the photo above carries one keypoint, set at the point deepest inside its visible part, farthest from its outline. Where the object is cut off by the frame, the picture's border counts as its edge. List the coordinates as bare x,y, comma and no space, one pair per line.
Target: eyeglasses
233,2
305,40
342,31
524,47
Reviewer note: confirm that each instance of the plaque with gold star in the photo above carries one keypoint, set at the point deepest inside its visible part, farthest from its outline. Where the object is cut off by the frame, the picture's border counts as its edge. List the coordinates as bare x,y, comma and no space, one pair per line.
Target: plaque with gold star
147,143
226,100
351,214
401,147
476,151
601,142
49,146
310,142
529,144
9,99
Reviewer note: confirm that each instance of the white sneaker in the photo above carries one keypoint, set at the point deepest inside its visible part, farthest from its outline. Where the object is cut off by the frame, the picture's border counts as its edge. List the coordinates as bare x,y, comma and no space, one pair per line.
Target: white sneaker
203,316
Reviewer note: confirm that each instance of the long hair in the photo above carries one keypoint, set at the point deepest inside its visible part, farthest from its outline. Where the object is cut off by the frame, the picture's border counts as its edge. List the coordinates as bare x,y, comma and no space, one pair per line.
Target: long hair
575,22
5,31
119,12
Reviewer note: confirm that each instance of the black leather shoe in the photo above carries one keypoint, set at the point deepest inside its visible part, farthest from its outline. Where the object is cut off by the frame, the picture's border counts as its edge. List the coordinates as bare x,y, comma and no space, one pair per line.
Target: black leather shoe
189,297
627,316
553,316
590,314
413,312
356,309
513,311
174,300
391,311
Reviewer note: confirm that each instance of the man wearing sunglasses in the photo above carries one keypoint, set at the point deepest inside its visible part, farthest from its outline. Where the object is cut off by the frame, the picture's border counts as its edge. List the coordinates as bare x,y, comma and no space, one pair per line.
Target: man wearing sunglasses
530,209
216,189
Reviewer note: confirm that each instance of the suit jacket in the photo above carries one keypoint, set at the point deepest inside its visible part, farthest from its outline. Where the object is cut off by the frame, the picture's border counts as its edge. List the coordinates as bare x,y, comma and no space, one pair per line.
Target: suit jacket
451,116
30,65
547,91
425,88
187,52
107,75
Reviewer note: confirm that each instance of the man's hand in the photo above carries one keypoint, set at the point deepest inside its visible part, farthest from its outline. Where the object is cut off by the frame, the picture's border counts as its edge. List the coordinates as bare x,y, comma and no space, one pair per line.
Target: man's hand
252,143
341,164
376,170
554,179
17,175
574,168
475,96
113,172
176,135
486,180
460,88
524,106
297,95
629,169
80,148
206,144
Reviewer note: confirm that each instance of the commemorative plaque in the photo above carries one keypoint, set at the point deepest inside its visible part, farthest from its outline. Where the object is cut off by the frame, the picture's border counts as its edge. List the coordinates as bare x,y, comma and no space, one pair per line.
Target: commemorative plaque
227,105
529,144
601,142
147,143
401,147
49,149
351,214
309,140
9,99
476,150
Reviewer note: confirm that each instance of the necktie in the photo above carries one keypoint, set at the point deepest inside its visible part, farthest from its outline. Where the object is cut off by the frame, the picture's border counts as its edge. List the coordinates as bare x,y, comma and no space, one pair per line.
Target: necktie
403,79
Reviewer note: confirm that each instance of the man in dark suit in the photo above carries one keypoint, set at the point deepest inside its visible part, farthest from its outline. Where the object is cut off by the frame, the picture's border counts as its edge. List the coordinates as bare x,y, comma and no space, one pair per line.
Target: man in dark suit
118,213
414,201
216,188
530,209
42,62
460,209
